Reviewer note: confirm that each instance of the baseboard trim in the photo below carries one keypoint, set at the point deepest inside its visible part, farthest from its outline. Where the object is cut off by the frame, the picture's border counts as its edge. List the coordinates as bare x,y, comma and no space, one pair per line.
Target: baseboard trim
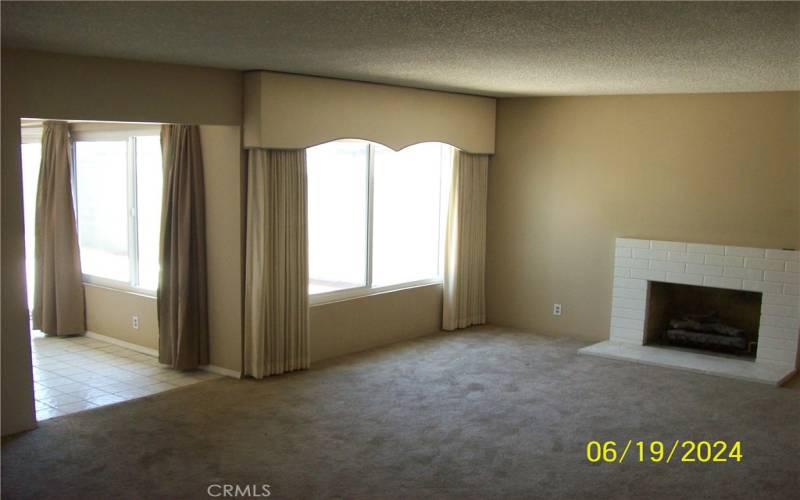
122,343
154,352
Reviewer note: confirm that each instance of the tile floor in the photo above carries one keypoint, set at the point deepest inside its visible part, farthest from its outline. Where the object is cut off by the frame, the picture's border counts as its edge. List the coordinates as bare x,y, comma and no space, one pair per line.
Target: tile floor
77,373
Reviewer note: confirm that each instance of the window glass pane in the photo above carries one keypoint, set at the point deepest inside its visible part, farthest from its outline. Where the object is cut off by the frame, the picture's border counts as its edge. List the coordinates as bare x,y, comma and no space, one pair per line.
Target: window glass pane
407,213
102,196
148,198
337,215
31,158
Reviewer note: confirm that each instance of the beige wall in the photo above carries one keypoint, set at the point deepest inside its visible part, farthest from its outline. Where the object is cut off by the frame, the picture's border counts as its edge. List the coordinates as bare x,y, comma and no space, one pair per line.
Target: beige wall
16,378
355,325
109,312
41,85
58,86
572,173
222,160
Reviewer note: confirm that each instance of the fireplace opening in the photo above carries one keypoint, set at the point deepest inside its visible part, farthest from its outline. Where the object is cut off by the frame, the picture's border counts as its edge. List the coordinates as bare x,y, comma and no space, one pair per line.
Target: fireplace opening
704,318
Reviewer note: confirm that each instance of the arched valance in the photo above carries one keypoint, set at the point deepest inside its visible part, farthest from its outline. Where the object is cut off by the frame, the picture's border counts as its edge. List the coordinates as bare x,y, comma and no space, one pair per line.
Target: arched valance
284,111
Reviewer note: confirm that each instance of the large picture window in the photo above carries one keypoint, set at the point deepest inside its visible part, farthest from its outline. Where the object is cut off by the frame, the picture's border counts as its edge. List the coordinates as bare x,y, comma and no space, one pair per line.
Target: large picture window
118,200
375,216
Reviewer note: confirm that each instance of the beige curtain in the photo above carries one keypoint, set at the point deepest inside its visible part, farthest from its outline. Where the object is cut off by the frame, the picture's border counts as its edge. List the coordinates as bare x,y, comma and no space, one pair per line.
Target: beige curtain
58,301
276,283
182,299
465,243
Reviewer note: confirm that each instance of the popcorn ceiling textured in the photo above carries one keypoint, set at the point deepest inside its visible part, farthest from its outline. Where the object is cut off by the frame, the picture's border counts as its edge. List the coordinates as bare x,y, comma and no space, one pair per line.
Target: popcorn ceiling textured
497,49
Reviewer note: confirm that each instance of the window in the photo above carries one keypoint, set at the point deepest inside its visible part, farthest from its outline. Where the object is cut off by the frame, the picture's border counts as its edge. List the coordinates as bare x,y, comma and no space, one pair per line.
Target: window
337,215
375,216
407,213
118,199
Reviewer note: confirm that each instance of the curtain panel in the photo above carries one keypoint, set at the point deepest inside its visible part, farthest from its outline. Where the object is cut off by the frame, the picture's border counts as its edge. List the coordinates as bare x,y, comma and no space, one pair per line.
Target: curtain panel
276,263
464,301
182,288
58,299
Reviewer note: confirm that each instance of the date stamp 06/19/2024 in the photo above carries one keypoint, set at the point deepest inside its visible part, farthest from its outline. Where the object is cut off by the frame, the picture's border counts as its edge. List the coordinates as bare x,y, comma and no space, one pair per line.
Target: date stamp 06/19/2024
664,452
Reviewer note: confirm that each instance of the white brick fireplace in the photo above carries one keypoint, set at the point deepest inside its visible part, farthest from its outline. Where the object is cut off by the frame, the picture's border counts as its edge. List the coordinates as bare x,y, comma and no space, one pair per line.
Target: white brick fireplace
773,273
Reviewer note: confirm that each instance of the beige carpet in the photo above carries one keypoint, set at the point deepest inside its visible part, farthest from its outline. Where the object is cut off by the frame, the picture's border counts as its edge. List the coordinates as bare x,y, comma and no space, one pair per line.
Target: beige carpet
485,413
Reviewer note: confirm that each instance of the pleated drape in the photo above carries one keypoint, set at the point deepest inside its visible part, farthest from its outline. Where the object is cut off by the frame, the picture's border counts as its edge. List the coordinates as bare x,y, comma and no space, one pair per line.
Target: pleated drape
58,300
276,283
464,301
182,293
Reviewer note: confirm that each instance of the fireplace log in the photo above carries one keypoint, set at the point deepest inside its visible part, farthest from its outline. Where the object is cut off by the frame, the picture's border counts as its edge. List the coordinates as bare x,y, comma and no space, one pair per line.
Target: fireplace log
707,340
697,326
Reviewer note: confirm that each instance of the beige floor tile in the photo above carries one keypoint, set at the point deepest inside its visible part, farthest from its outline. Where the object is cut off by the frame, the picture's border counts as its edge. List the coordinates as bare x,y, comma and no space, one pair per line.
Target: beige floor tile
55,381
147,370
46,392
42,406
170,375
183,381
88,392
158,386
60,399
128,377
119,386
77,406
78,373
106,399
73,387
68,371
44,414
133,393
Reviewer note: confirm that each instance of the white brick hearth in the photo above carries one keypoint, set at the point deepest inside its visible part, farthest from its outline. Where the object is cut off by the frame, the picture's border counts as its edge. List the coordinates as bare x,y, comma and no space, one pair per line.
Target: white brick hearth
774,273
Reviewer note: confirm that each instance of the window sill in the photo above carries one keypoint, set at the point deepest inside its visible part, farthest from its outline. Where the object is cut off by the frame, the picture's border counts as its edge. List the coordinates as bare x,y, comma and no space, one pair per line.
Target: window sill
313,300
117,286
360,293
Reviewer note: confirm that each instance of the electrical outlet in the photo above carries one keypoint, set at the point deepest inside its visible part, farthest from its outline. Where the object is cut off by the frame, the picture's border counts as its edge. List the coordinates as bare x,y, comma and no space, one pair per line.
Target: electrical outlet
556,309
135,322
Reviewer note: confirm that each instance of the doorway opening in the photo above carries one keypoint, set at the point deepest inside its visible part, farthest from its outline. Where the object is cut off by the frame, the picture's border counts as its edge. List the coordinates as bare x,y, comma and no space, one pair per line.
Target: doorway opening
116,187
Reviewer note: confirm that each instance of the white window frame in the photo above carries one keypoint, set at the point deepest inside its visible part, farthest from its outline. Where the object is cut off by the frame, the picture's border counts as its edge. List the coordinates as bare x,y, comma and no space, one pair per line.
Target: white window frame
98,132
368,290
31,133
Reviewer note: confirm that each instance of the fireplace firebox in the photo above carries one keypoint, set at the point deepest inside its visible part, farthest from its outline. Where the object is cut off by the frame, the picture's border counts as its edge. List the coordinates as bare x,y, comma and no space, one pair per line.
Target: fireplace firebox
704,318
